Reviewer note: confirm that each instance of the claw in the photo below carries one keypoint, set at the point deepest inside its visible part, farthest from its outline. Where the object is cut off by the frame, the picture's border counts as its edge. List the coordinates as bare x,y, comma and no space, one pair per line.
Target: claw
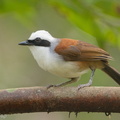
83,85
49,86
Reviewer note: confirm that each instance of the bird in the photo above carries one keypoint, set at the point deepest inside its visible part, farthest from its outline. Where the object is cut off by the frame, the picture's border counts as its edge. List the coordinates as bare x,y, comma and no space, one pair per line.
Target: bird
69,58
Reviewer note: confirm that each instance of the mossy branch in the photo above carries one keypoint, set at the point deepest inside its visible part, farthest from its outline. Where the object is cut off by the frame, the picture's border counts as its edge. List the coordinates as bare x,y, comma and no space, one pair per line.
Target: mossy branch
40,99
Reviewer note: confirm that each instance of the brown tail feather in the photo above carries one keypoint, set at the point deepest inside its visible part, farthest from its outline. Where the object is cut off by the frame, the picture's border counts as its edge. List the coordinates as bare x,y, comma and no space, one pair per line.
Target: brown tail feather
113,73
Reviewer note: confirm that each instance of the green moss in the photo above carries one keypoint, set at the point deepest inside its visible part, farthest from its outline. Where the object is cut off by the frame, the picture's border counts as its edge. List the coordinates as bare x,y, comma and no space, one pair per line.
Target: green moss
11,90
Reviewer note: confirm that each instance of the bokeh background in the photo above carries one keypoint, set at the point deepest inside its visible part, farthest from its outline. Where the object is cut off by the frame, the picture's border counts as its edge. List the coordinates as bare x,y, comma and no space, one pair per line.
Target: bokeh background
93,21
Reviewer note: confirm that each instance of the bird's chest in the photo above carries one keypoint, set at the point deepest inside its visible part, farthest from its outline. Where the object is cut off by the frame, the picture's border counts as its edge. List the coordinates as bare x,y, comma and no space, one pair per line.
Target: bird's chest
54,63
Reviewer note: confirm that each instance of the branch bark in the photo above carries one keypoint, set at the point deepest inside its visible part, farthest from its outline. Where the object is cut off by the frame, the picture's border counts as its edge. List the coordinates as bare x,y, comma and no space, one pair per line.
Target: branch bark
39,99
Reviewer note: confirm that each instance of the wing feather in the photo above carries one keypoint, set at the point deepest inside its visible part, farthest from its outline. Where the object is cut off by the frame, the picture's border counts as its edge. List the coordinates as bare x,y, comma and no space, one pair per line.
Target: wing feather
75,50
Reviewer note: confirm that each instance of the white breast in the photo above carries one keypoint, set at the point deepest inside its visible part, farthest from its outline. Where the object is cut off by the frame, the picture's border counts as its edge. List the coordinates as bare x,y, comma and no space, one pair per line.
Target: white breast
54,63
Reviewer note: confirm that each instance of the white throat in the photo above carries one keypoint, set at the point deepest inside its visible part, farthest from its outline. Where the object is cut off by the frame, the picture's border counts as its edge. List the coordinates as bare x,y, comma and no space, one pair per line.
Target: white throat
42,55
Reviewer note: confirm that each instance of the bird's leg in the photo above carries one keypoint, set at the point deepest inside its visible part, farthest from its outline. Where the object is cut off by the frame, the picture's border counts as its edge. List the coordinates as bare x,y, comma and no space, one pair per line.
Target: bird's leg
90,81
63,84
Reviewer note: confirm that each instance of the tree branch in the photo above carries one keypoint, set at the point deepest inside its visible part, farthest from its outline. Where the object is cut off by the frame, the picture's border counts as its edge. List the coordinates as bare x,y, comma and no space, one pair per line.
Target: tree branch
39,99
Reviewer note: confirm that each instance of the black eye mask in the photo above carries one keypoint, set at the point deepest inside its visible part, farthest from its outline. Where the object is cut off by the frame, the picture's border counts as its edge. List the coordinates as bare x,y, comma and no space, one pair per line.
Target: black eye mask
39,42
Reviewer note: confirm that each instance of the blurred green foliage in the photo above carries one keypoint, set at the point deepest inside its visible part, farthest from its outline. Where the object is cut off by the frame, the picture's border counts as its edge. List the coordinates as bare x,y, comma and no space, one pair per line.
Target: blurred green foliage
23,10
100,18
18,6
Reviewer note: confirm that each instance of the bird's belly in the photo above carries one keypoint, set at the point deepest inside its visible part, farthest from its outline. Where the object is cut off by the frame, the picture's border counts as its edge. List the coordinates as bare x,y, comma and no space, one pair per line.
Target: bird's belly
66,69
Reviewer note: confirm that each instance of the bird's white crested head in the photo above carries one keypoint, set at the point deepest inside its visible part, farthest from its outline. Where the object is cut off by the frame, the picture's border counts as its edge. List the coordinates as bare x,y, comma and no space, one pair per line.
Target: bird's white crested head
40,38
42,46
42,34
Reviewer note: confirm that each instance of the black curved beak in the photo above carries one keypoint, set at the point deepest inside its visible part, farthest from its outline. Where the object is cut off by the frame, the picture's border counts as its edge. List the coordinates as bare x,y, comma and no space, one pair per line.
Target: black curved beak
25,43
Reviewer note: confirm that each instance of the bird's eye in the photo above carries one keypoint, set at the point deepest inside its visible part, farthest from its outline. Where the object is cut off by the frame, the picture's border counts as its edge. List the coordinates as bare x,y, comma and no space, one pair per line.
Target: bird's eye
37,39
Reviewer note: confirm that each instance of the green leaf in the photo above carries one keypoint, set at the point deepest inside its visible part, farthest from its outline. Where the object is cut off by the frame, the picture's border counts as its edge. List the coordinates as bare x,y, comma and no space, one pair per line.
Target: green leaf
96,17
